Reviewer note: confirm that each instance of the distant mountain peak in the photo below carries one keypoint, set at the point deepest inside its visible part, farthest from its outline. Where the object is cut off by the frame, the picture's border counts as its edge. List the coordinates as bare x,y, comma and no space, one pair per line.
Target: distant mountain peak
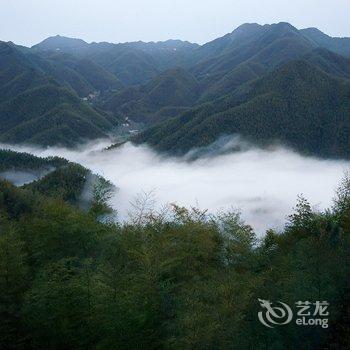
247,26
284,24
315,35
244,31
314,31
335,44
283,27
61,42
251,30
255,26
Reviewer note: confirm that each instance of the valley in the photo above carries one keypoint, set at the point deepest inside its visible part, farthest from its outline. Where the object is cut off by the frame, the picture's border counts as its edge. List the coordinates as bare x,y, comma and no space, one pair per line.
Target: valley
174,195
253,181
266,82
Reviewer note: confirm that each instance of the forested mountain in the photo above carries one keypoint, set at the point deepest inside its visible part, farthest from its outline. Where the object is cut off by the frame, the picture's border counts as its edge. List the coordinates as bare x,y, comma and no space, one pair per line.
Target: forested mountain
81,75
36,108
249,52
330,62
133,63
64,44
166,95
225,64
65,90
189,281
58,178
138,62
297,104
18,161
73,277
268,46
17,74
339,45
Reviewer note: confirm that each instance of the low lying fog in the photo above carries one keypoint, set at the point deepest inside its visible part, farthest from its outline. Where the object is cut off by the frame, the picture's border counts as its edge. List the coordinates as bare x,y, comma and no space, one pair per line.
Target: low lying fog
263,184
19,178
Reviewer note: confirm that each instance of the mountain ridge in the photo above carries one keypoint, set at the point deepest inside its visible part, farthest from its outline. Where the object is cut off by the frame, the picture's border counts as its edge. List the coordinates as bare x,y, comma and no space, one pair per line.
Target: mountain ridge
285,105
35,108
99,86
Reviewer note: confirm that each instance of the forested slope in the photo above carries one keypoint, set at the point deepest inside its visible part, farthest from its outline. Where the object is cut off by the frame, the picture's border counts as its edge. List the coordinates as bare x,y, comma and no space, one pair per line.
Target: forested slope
58,178
133,63
35,108
65,91
67,281
170,92
80,74
298,105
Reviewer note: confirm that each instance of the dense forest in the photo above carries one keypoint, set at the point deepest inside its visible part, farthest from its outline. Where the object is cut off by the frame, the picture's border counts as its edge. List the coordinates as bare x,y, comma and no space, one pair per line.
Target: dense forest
38,108
11,160
176,279
65,91
73,276
58,178
297,105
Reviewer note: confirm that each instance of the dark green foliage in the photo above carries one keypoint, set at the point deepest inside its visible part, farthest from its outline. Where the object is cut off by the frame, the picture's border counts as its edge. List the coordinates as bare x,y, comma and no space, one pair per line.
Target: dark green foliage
35,108
330,62
298,105
60,179
58,309
81,75
11,160
14,204
150,103
66,182
17,74
193,282
246,53
220,67
188,281
14,280
39,87
49,115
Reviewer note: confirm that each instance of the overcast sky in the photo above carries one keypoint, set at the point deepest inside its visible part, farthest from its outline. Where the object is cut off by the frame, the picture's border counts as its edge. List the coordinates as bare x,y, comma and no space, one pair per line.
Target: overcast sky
27,22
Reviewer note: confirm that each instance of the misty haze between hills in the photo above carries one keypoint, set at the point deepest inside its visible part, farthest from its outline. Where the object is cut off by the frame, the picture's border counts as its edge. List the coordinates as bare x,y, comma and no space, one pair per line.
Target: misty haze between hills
169,195
262,184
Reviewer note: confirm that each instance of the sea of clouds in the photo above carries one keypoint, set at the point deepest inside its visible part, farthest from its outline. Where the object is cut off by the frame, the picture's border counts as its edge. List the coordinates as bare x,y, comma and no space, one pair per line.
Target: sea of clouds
262,183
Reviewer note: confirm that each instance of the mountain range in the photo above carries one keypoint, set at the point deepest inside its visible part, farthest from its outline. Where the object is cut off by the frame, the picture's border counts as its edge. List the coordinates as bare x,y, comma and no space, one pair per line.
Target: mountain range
269,83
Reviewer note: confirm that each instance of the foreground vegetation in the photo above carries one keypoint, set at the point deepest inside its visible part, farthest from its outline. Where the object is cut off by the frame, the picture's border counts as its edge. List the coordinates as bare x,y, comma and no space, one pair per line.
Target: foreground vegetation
179,280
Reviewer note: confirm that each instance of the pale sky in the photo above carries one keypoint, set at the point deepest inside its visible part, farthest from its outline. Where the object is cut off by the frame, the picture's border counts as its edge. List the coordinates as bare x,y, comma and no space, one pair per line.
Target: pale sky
27,22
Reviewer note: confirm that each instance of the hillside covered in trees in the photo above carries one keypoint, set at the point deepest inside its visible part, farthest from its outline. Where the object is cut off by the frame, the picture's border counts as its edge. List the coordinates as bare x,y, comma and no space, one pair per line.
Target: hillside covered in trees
65,91
298,105
164,96
76,275
185,280
36,108
58,178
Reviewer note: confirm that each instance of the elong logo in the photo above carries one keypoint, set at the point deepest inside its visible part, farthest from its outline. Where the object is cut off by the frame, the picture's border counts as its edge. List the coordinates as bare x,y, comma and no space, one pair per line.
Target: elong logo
282,314
274,315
